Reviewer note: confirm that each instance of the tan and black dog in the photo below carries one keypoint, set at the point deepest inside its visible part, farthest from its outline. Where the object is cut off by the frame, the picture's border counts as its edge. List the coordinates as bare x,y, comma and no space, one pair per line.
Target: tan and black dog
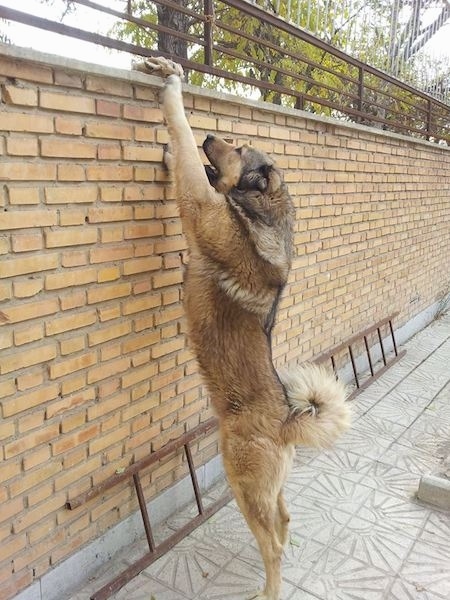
237,217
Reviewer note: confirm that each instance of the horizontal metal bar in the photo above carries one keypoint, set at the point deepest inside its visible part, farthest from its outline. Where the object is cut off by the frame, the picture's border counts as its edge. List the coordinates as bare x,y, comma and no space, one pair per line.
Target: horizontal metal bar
118,582
354,338
203,428
377,374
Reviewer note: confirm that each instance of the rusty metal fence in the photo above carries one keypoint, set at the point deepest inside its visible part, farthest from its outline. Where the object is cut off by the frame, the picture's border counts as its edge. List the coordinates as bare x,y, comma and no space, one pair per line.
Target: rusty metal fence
237,46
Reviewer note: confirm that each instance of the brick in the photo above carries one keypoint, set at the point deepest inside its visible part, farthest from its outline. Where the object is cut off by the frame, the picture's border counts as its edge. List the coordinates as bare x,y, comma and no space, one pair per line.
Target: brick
21,96
17,360
70,278
71,194
31,334
70,322
68,126
108,274
26,242
25,122
23,195
30,380
109,130
72,217
110,253
74,258
109,173
65,367
109,333
134,305
142,113
66,102
142,265
108,292
169,278
20,219
22,146
22,171
142,153
108,215
38,513
114,437
31,310
71,172
18,69
108,108
143,230
72,345
109,151
109,86
70,236
105,370
67,148
29,400
31,264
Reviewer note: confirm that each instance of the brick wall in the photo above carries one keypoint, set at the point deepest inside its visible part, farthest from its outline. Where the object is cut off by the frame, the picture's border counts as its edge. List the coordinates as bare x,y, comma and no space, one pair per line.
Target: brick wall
95,372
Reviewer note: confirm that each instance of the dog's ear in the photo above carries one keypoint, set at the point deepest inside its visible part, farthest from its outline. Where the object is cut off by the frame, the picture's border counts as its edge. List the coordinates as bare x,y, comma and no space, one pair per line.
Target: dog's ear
275,179
248,204
255,180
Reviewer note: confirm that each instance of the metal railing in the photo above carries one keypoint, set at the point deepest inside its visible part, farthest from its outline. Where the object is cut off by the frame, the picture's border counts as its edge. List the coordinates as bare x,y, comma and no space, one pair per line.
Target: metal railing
236,45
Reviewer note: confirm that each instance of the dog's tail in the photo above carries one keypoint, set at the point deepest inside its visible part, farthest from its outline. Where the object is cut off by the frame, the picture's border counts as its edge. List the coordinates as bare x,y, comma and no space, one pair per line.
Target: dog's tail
319,413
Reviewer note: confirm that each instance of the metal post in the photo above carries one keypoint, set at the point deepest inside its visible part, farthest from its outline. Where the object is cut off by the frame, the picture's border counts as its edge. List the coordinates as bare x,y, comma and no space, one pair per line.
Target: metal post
208,7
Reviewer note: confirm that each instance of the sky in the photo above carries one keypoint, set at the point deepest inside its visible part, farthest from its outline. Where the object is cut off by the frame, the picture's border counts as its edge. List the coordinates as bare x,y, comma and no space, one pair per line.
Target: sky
53,43
86,18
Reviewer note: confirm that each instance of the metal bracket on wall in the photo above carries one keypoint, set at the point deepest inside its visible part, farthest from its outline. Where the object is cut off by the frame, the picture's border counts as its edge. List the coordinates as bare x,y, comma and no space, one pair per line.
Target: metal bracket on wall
347,346
132,472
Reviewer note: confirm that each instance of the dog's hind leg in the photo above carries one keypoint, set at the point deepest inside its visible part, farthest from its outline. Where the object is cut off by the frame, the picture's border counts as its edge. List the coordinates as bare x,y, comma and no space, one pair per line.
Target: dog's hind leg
282,519
261,518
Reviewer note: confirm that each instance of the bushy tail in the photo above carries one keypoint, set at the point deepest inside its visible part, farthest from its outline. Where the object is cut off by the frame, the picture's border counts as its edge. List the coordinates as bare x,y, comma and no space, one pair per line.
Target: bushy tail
319,413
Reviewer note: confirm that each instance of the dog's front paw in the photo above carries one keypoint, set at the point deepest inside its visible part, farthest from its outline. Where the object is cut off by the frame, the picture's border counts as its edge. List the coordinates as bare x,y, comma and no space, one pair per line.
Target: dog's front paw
160,65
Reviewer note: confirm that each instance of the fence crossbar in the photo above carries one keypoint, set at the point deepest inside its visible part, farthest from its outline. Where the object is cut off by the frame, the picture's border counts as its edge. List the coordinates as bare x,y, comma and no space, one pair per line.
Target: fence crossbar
388,361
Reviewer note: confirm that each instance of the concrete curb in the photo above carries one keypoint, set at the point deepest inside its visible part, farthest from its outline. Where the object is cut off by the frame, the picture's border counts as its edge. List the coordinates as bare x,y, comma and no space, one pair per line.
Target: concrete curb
435,490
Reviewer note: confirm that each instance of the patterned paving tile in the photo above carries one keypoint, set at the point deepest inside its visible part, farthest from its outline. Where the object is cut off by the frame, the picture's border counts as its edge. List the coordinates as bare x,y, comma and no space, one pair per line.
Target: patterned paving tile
342,463
143,588
389,479
410,459
226,529
332,494
428,568
360,442
373,426
428,433
394,512
402,590
377,544
299,557
437,530
189,566
240,580
397,408
337,576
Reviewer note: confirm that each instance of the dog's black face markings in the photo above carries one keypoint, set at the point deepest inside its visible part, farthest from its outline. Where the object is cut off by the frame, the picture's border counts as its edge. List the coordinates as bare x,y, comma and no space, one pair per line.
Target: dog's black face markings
249,205
254,179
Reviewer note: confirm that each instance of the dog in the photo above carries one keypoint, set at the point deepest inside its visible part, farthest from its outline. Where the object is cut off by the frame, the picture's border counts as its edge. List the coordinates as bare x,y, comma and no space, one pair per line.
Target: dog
237,217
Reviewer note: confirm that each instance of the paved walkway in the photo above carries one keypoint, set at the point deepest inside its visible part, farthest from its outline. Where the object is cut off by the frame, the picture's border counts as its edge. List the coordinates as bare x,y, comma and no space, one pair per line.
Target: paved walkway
357,531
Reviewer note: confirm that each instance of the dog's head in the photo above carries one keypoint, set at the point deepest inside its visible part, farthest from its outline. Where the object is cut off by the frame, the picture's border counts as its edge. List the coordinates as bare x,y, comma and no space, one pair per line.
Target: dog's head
243,168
